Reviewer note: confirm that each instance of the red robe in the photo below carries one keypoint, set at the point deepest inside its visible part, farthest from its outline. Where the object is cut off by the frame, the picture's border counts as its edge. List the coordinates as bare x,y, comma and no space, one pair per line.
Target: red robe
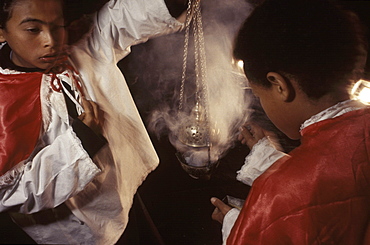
318,195
20,117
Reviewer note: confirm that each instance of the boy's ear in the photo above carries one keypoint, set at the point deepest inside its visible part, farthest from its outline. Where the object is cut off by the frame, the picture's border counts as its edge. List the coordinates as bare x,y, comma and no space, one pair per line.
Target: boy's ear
2,38
281,86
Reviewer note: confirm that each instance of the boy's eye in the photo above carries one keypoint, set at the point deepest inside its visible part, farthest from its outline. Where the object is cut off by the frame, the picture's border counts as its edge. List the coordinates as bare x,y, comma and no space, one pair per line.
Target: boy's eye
33,30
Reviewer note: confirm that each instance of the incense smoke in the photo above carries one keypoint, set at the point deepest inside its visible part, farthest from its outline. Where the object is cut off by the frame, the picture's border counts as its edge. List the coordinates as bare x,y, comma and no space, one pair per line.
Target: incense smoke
227,97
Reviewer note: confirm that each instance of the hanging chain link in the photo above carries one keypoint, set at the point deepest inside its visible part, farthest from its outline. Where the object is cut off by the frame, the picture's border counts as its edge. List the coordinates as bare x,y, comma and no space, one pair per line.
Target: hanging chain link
194,19
196,132
185,55
202,89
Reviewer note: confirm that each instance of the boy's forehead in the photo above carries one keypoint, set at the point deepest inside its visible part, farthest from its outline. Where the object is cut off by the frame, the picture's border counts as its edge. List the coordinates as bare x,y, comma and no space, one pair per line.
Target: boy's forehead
43,10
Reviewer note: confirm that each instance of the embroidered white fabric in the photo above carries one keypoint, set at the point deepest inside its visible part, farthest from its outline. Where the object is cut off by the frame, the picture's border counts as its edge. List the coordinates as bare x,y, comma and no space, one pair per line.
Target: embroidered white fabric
261,157
8,71
334,111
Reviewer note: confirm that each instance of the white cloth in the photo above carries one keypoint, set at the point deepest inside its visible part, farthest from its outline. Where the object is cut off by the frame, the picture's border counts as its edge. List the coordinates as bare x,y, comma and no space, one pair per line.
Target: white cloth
228,223
334,111
261,157
264,154
104,205
101,209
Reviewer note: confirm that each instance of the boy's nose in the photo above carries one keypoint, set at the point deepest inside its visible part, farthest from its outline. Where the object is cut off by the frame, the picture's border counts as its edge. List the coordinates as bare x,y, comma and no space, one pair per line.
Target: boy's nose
48,39
51,39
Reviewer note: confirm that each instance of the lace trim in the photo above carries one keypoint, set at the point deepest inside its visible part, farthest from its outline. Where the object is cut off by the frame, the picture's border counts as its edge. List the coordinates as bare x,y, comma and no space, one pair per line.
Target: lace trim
261,157
334,111
9,71
10,177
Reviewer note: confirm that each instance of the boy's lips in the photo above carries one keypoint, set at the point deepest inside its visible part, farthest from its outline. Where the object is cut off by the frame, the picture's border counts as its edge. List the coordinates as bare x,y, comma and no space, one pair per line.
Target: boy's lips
49,58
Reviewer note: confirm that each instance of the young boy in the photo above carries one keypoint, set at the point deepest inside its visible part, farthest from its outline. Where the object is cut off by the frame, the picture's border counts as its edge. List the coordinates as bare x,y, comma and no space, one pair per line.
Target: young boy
59,179
301,58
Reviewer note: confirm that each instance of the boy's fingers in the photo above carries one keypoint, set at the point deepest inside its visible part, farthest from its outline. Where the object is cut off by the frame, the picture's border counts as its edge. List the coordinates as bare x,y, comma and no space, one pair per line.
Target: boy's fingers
224,208
82,116
217,215
258,132
90,107
240,137
94,107
86,105
247,137
246,134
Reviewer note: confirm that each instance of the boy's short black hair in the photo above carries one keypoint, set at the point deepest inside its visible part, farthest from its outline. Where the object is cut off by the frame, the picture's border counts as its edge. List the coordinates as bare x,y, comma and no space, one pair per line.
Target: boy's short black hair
5,11
73,9
6,7
314,41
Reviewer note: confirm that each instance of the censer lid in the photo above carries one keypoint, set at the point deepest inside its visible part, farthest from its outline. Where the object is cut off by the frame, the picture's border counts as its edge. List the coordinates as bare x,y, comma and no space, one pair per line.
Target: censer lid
195,131
194,136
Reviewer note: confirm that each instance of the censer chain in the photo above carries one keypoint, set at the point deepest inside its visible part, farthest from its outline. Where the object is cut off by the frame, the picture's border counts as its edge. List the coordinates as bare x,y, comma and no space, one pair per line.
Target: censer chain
194,18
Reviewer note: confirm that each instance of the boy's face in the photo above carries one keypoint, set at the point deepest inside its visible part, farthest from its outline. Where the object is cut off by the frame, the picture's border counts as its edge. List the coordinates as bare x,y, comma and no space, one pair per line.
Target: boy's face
277,111
35,32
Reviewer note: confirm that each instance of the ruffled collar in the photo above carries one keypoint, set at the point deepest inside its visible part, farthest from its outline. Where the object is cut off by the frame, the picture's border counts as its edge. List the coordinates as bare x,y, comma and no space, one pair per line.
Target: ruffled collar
334,111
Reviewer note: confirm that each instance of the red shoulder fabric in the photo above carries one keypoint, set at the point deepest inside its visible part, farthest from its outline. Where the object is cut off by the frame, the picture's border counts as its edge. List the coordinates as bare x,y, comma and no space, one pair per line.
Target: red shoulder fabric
20,117
319,195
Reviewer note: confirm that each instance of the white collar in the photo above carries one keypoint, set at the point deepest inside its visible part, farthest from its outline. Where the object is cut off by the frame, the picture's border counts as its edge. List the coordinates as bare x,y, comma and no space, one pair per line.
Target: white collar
334,111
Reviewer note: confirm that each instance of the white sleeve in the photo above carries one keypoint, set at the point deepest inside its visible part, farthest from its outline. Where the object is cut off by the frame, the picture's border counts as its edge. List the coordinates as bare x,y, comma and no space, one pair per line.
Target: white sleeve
57,172
123,23
261,157
228,223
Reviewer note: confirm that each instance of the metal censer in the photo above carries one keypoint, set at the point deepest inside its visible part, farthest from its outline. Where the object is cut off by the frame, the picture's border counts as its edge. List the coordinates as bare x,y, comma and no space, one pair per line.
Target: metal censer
194,133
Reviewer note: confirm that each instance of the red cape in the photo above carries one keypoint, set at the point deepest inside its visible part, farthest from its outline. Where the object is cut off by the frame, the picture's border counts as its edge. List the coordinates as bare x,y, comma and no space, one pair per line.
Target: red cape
20,117
319,195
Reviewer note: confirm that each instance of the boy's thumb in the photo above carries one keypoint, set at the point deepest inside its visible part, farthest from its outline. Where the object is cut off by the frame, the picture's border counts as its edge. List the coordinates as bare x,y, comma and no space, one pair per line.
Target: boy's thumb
213,200
223,207
217,202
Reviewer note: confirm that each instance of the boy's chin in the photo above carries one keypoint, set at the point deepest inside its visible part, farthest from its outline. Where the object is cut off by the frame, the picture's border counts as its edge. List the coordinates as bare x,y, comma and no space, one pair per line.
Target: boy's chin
46,66
294,136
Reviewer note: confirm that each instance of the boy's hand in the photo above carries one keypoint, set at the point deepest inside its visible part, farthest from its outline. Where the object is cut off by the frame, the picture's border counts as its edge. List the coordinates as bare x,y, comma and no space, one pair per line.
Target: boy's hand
220,210
251,133
177,8
92,117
